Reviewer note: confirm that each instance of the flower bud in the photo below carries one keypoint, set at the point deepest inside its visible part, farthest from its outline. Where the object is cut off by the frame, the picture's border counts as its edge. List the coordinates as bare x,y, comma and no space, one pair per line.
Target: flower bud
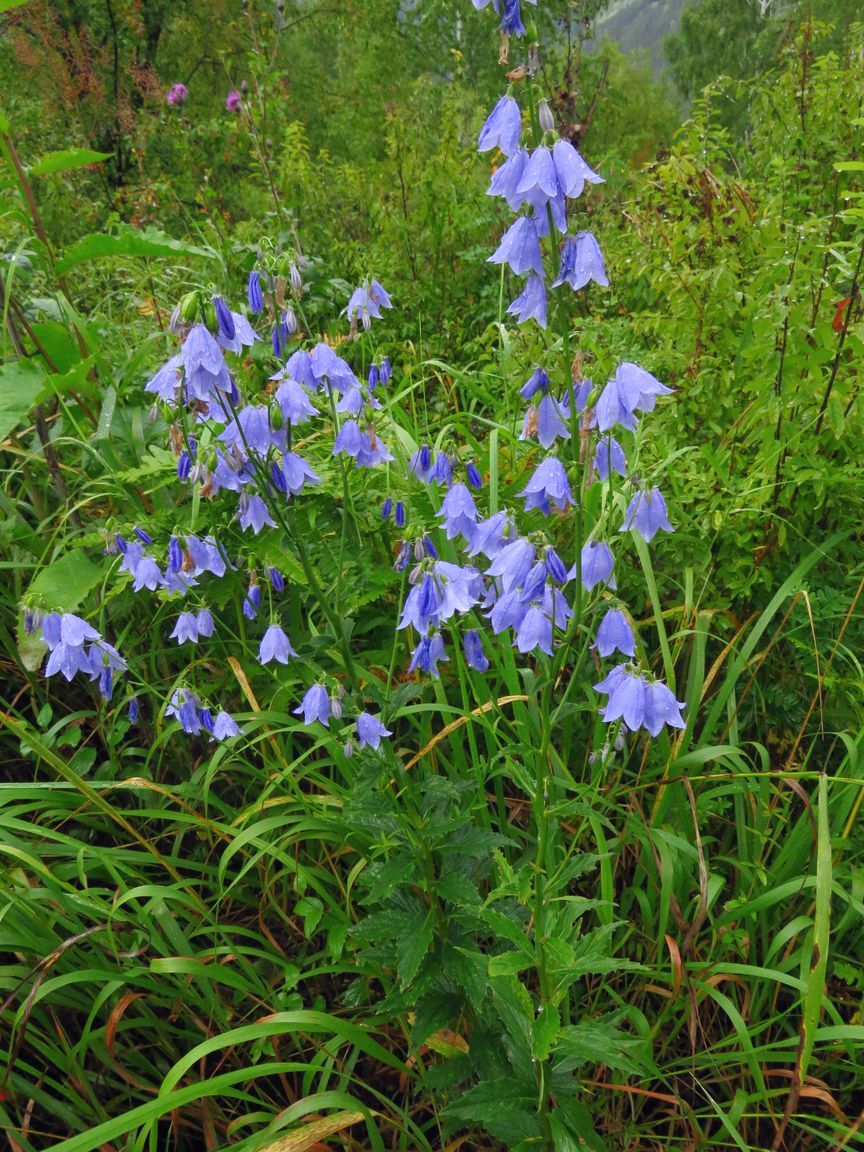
296,279
348,750
547,120
190,306
277,420
335,707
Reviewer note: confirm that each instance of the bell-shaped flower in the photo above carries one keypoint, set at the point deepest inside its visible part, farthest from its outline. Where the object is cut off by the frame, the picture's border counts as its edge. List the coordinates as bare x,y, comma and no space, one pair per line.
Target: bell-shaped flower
297,473
475,657
639,387
505,180
520,248
647,515
535,631
530,304
571,170
253,513
513,563
548,486
293,400
490,536
166,382
597,565
275,645
615,634
370,730
502,129
315,705
459,512
225,726
581,261
539,181
186,628
428,654
609,457
538,381
204,365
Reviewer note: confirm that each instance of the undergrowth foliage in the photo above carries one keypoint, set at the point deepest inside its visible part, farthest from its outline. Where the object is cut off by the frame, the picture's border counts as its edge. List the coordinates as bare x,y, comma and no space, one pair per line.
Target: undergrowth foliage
370,784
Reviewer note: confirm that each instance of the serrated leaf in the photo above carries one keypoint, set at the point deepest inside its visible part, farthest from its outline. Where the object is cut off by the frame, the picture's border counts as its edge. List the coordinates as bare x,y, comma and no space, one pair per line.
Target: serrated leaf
509,964
65,160
572,1130
411,950
507,1110
544,1031
127,242
64,584
599,1041
20,383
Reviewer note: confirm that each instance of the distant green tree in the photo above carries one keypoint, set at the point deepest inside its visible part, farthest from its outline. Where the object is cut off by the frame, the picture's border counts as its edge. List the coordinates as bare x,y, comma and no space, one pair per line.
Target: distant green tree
716,38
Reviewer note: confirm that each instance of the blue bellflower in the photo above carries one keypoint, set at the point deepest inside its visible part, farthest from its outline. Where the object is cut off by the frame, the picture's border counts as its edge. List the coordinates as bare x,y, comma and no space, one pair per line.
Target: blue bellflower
370,731
615,634
428,654
275,645
549,485
630,390
315,706
639,702
581,261
646,515
597,565
571,170
502,129
520,248
475,657
609,457
253,293
530,304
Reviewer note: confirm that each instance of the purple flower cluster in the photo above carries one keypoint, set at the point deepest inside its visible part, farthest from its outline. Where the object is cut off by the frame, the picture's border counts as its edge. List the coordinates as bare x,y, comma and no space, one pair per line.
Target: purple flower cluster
526,589
75,646
540,182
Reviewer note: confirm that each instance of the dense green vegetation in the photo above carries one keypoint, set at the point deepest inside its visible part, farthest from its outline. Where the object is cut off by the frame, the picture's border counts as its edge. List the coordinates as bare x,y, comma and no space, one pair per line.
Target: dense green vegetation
514,926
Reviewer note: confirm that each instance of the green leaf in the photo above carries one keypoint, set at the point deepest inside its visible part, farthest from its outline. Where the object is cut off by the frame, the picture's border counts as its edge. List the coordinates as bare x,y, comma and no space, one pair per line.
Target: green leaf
544,1031
509,963
8,5
413,946
20,382
66,159
507,1110
65,583
128,242
598,1042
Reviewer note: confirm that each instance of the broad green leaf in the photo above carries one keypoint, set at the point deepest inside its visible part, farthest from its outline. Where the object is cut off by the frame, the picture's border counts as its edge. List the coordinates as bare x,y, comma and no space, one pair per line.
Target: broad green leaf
65,160
20,383
7,6
128,242
509,963
65,582
412,947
